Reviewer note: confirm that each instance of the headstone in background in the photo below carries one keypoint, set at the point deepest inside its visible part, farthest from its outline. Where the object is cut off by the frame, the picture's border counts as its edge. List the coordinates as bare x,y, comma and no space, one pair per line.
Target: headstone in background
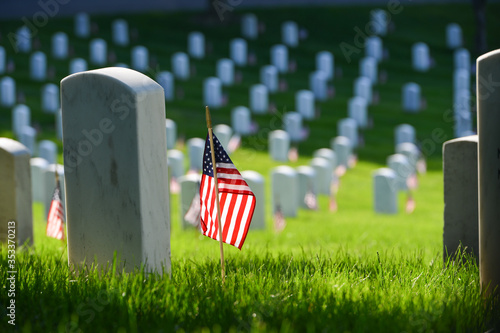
307,183
462,113
461,80
23,40
224,134
324,172
402,168
238,51
212,92
241,120
404,133
411,152
48,151
38,66
175,160
180,65
460,197
292,124
284,190
171,131
15,197
368,68
60,45
196,45
363,88
453,36
50,98
327,154
374,48
82,25
259,102
269,78
120,32
140,58
357,110
256,182
77,65
461,59
190,186
348,127
279,57
3,60
318,84
98,52
38,166
195,147
304,104
166,80
225,71
121,163
379,20
385,191
21,116
421,58
325,62
7,91
290,33
249,26
27,137
342,147
411,97
279,144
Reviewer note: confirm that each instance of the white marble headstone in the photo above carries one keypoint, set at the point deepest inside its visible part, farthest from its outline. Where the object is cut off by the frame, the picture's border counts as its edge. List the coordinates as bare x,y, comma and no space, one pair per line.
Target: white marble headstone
304,104
120,32
453,36
324,172
3,60
461,80
48,151
38,166
23,39
348,127
358,110
224,134
212,92
98,52
38,66
279,57
318,84
379,20
284,190
404,133
342,147
60,45
180,65
363,88
249,26
259,102
368,68
171,128
421,58
241,120
374,48
176,162
82,25
21,116
196,45
292,124
411,97
290,33
140,58
28,138
385,191
461,59
279,144
225,71
307,183
15,197
238,51
166,80
195,147
402,168
325,62
7,91
50,98
269,78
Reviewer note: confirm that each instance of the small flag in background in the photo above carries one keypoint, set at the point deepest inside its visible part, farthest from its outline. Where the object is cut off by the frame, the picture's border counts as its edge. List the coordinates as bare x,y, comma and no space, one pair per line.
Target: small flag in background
55,219
237,201
193,213
410,203
279,219
310,200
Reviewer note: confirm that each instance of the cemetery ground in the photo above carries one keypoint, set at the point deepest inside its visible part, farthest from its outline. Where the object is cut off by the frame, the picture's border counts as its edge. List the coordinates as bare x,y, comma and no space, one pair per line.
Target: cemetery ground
351,270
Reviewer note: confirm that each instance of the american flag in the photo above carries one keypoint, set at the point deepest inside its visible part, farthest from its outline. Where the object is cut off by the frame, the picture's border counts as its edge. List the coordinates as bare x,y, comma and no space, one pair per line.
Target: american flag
55,219
237,201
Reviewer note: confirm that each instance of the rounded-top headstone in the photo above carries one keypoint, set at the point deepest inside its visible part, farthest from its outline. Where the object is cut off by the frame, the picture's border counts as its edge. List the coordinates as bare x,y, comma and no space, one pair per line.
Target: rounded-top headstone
307,183
279,144
241,120
21,116
166,80
290,33
249,26
328,154
404,133
324,174
348,127
259,102
38,166
223,133
342,147
401,166
292,123
325,62
82,25
304,104
176,163
385,190
453,36
284,184
120,32
196,147
60,45
140,58
171,128
196,45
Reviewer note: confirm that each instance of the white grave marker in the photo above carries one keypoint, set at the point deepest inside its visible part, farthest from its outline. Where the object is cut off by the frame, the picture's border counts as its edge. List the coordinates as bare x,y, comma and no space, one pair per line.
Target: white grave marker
379,21
304,104
120,32
238,51
259,102
38,166
50,98
171,130
241,120
7,91
212,92
98,52
77,65
269,78
180,65
38,66
404,133
342,147
368,68
175,160
284,190
385,191
48,151
461,59
196,45
357,110
60,45
290,33
249,26
225,71
411,97
292,123
348,127
82,25
374,48
279,144
28,138
140,58
195,147
421,58
453,36
318,84
363,88
279,57
166,80
307,183
325,62
23,39
21,116
402,168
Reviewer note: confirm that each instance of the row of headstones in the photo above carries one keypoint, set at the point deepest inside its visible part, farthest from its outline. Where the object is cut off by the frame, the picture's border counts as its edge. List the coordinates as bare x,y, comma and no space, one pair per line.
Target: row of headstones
26,180
389,181
49,95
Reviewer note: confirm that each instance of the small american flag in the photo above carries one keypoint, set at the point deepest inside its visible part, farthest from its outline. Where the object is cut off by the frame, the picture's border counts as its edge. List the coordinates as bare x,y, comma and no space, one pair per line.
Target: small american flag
55,219
237,201
279,219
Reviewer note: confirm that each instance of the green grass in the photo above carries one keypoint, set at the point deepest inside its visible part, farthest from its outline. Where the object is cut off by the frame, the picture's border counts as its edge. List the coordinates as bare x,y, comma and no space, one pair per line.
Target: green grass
352,270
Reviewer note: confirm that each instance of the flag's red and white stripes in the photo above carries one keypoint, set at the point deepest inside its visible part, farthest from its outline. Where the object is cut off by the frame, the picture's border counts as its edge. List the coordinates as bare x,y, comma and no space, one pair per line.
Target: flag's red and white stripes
55,219
237,203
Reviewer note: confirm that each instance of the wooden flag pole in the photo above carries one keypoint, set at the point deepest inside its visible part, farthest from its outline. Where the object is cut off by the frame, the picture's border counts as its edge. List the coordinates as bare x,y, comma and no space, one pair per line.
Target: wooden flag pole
210,135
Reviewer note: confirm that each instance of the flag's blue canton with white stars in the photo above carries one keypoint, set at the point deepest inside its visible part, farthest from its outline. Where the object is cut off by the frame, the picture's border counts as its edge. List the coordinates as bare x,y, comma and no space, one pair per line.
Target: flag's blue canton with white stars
220,156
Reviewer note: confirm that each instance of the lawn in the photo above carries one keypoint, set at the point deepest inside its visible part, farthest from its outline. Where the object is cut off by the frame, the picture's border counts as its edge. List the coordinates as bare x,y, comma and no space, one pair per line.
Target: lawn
347,271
